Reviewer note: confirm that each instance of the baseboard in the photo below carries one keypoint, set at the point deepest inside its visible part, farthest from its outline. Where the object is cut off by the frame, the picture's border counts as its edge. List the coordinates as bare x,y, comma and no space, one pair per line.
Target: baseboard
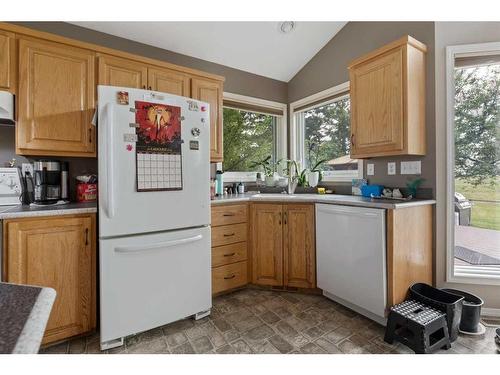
488,311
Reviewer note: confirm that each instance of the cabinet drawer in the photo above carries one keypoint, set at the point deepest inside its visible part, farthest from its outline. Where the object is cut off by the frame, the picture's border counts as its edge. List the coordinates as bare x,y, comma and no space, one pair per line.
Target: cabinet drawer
228,234
228,254
229,276
229,214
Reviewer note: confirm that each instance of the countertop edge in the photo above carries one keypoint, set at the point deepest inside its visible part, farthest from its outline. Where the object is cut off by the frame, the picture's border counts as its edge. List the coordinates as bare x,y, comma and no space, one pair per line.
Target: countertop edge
53,212
31,336
324,199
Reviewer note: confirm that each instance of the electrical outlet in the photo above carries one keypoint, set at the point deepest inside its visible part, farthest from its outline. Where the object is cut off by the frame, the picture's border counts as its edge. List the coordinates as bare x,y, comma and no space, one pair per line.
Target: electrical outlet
26,167
391,168
411,167
370,169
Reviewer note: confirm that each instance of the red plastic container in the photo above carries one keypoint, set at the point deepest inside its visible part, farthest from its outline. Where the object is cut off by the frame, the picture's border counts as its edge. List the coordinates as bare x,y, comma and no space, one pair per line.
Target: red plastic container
86,192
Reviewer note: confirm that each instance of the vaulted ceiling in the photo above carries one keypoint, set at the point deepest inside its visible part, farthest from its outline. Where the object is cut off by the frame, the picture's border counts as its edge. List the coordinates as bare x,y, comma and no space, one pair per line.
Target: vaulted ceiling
256,47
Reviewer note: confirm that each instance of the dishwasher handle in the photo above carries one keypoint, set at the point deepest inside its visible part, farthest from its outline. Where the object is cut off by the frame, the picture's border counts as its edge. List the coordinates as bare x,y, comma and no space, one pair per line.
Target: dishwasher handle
360,211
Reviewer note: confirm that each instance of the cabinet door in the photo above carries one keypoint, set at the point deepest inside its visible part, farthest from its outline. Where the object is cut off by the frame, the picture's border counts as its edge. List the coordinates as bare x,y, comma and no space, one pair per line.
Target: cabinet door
211,92
377,123
114,71
168,81
299,246
56,252
56,99
267,241
7,61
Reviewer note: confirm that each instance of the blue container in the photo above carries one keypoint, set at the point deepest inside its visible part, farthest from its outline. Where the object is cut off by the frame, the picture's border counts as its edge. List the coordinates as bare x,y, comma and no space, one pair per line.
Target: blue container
369,190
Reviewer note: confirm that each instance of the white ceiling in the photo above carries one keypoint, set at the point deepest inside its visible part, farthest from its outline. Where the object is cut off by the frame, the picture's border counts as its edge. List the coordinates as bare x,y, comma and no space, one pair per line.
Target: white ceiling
255,47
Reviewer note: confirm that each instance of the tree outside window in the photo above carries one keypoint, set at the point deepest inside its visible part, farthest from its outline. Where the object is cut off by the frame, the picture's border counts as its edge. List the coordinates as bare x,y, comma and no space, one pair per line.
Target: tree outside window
249,137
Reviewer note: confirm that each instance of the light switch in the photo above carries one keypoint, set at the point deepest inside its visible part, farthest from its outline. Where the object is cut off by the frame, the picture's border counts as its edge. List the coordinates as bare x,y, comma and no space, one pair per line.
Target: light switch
391,168
411,167
370,169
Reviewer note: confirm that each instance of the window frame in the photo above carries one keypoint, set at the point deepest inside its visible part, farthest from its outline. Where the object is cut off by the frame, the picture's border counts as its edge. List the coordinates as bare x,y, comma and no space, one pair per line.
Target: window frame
297,127
280,132
460,274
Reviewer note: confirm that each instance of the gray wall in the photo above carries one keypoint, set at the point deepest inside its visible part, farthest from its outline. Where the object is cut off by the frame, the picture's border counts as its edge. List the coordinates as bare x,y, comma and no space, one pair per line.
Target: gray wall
237,81
449,34
329,68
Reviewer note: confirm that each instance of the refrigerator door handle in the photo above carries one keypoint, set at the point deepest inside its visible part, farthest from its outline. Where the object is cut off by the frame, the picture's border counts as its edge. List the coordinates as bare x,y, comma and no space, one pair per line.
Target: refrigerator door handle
159,245
109,160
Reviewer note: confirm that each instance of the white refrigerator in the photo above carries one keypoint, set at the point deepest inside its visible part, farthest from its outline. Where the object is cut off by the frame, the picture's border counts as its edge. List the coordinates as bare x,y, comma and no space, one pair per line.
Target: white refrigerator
154,211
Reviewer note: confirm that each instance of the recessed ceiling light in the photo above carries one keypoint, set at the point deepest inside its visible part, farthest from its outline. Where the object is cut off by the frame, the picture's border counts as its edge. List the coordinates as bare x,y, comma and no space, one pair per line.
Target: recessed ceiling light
286,27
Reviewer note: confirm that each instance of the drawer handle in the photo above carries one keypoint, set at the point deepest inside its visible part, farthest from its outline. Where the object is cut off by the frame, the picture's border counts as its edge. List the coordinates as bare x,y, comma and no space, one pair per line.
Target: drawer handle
229,235
229,277
229,255
228,215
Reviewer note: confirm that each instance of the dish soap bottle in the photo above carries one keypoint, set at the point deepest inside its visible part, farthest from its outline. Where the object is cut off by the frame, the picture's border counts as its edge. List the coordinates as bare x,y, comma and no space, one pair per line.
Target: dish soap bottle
241,188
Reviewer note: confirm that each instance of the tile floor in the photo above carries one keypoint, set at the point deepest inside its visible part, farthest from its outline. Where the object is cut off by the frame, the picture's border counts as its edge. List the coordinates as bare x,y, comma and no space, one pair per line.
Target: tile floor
262,321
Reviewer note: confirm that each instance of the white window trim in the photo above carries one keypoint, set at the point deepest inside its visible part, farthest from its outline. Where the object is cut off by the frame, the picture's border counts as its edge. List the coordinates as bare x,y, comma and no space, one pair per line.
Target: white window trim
297,129
464,274
281,133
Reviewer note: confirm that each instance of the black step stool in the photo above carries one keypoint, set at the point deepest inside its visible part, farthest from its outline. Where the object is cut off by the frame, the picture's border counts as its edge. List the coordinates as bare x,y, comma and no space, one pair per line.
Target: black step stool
418,326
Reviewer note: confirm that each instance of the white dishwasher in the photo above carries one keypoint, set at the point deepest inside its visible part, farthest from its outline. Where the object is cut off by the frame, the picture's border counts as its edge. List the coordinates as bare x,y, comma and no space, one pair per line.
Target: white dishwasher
351,257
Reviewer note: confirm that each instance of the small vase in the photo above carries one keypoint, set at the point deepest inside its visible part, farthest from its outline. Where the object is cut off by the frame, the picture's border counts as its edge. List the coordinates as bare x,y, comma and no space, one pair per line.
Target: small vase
270,181
313,178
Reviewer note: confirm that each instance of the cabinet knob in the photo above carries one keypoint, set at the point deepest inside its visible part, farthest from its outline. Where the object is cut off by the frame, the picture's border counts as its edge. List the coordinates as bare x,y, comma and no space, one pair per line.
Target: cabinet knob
86,236
352,139
229,277
229,235
229,255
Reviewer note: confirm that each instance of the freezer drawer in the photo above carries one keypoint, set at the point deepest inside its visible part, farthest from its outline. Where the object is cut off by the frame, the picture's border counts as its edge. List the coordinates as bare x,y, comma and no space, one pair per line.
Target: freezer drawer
351,255
150,280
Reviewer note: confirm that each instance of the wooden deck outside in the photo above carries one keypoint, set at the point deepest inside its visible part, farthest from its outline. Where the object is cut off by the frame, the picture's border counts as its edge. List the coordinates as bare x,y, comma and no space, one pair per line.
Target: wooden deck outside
484,241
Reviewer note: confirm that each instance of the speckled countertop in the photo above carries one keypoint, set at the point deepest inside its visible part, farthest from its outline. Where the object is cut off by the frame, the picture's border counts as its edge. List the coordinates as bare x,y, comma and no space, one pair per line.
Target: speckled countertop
24,312
21,210
346,200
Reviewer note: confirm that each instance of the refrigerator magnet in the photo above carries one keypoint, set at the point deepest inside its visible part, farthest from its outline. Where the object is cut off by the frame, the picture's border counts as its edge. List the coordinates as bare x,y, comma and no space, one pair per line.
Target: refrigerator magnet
129,147
122,97
129,137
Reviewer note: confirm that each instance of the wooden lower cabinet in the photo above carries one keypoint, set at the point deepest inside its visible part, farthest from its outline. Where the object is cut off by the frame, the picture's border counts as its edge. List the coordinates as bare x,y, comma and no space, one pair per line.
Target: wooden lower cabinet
299,250
283,245
266,228
57,252
229,247
229,277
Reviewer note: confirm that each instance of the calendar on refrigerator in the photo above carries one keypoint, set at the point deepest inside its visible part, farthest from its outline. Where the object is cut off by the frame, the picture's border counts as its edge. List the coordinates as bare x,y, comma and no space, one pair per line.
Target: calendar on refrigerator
158,147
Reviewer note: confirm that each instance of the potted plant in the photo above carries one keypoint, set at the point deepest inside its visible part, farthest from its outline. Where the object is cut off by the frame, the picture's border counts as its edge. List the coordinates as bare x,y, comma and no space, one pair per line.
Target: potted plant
314,176
413,186
269,168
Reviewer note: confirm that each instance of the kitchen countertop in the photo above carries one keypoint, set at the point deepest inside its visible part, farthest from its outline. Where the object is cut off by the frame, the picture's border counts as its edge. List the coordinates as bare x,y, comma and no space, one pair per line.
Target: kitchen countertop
21,210
346,200
24,312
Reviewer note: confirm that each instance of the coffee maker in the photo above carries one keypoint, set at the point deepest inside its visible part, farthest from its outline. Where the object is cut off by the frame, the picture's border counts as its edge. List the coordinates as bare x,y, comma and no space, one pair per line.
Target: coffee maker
47,175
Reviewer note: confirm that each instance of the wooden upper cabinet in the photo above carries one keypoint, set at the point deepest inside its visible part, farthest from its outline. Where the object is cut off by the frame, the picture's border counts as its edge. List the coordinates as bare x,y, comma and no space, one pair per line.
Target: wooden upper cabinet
56,252
8,60
211,92
267,240
168,81
56,99
115,71
388,101
299,255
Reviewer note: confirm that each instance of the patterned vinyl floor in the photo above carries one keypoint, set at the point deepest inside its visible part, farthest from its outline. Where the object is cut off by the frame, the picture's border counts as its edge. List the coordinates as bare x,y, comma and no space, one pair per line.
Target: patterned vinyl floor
262,321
